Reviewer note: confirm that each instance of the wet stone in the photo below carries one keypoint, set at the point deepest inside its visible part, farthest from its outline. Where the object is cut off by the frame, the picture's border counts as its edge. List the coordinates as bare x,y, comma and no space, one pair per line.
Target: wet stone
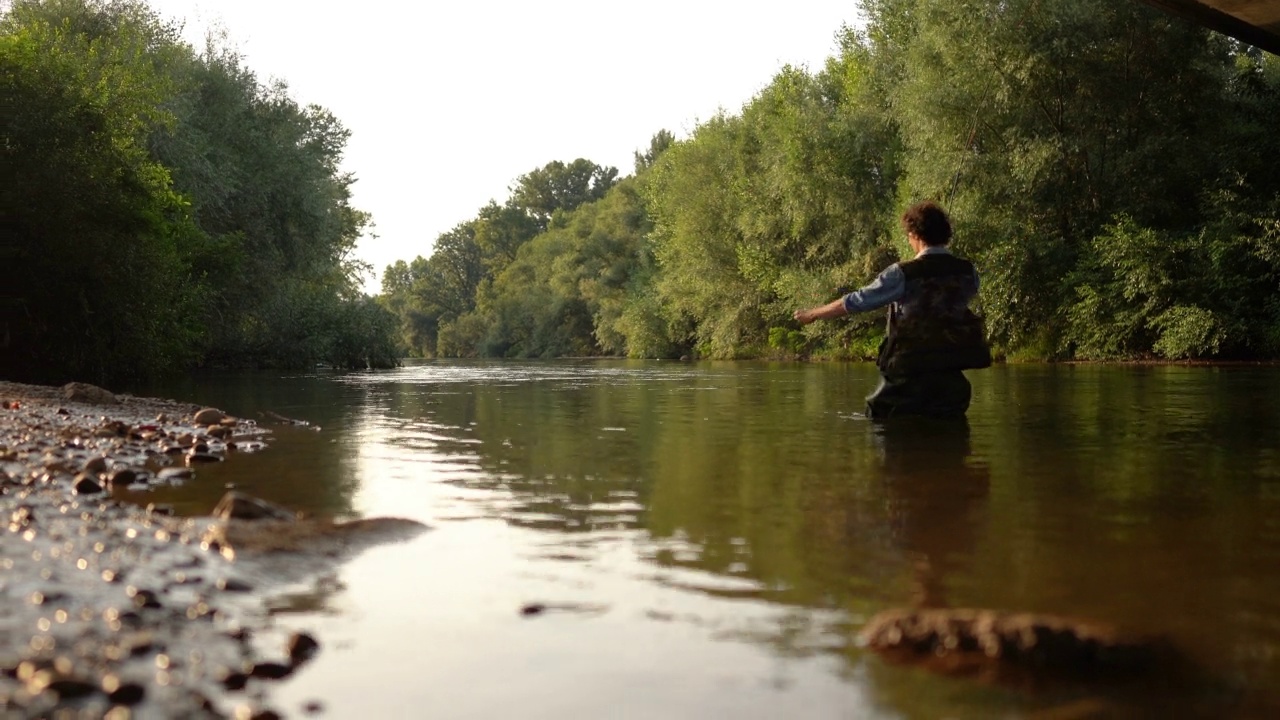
89,394
209,416
302,647
239,506
172,474
124,476
86,485
201,458
235,681
71,687
122,693
271,670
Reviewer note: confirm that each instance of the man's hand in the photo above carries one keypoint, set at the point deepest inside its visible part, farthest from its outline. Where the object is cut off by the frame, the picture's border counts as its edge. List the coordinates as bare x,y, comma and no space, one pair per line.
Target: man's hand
833,309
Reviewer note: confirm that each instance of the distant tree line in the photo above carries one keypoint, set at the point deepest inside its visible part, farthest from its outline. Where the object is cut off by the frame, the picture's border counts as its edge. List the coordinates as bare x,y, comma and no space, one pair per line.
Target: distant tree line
163,208
1110,168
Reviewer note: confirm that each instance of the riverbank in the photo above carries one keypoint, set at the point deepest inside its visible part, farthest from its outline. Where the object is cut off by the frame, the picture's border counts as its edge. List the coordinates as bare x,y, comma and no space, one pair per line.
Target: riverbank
112,609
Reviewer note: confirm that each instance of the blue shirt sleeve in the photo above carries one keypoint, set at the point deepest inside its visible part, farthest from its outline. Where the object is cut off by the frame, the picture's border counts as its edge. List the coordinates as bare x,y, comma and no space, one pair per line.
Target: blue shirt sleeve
888,287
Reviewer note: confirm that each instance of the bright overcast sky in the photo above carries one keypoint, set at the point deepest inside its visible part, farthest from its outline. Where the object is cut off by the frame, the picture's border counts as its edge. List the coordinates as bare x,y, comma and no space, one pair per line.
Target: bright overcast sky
449,102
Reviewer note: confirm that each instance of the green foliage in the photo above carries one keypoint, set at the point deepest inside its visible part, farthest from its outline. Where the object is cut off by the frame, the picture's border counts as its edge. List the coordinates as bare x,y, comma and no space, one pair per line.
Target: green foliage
565,292
760,214
560,187
787,340
658,144
1107,166
92,228
1037,124
488,289
166,210
1187,332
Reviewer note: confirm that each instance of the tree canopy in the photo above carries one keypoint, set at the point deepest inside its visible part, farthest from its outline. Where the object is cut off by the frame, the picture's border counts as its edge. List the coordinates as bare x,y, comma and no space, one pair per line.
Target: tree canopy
165,210
1107,166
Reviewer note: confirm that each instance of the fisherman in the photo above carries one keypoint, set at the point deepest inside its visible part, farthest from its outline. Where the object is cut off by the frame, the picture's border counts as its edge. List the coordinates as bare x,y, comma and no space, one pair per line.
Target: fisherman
932,334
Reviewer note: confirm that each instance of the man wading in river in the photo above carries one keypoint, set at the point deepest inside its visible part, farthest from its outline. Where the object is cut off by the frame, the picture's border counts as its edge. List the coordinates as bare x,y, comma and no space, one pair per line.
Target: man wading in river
932,334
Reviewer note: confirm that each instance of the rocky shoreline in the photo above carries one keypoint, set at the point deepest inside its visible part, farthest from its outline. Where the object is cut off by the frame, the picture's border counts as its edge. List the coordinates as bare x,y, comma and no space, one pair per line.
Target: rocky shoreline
108,609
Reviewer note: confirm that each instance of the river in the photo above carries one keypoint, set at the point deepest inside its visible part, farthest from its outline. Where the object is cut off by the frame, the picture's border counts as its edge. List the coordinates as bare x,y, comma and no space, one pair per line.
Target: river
695,540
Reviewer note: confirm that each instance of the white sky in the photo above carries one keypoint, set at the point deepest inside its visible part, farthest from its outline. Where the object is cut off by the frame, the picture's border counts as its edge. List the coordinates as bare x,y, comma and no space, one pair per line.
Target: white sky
449,102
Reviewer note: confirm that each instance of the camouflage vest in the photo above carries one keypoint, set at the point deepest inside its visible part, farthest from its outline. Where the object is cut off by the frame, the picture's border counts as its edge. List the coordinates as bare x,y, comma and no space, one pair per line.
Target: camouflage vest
932,328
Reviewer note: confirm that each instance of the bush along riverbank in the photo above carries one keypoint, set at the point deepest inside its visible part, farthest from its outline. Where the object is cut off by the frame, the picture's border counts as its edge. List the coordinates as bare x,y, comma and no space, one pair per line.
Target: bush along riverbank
110,609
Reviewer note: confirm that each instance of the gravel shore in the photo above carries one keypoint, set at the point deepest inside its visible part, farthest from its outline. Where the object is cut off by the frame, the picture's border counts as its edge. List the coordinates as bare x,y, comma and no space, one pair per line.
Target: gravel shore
112,610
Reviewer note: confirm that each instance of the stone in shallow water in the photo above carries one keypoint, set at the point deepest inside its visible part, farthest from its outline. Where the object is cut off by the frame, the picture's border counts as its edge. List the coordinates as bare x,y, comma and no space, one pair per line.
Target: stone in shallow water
172,474
271,670
239,506
964,640
200,458
124,476
86,393
86,485
209,416
302,647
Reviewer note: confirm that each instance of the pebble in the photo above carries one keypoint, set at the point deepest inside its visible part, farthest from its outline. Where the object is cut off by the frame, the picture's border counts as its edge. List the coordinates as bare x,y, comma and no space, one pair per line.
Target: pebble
302,647
123,477
86,485
201,458
271,670
173,474
209,416
72,637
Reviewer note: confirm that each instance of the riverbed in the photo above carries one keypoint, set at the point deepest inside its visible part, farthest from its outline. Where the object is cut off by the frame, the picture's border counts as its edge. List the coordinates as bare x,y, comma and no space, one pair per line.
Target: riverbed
687,540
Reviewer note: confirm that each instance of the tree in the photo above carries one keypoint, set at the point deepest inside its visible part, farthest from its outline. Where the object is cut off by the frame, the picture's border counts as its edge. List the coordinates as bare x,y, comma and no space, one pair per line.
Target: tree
93,229
166,209
557,186
1038,124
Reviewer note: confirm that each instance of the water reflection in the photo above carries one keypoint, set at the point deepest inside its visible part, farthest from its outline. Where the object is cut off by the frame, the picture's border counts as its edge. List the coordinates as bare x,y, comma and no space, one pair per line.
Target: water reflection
935,495
750,501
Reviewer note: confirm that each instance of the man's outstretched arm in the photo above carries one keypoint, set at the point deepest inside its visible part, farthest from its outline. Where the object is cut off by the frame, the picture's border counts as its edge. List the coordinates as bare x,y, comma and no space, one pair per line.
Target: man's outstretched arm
886,288
833,309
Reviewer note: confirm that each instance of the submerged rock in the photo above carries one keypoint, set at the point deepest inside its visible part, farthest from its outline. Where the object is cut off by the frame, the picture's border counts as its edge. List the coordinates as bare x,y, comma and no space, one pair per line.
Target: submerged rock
971,640
238,506
313,537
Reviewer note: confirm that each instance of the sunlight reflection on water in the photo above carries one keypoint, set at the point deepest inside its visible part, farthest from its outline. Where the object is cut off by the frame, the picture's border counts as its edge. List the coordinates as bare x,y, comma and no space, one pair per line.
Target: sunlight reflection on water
706,538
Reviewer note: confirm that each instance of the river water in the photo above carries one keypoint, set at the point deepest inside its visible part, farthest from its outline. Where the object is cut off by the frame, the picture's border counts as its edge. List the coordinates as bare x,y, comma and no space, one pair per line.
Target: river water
705,540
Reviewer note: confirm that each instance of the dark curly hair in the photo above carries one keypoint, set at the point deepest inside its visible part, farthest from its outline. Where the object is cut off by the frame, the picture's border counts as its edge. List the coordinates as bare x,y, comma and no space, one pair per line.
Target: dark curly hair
928,221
